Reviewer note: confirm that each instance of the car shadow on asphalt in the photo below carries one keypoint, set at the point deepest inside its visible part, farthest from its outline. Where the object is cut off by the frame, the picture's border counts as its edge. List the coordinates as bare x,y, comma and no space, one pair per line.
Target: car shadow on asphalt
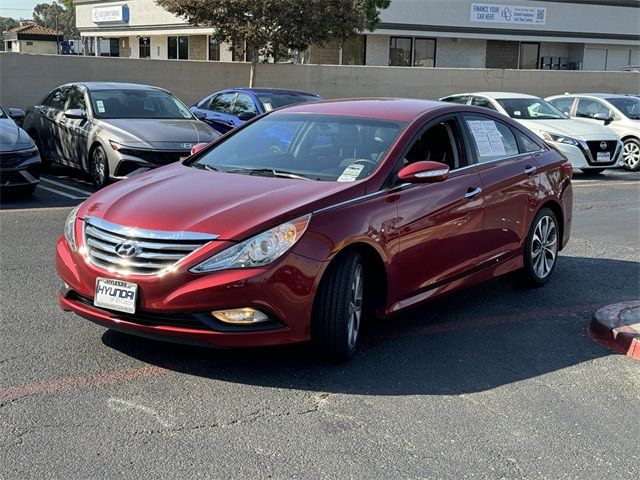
475,340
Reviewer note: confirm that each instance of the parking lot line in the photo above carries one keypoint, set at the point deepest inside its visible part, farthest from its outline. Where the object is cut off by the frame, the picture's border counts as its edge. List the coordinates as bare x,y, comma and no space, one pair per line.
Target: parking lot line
64,185
596,183
68,195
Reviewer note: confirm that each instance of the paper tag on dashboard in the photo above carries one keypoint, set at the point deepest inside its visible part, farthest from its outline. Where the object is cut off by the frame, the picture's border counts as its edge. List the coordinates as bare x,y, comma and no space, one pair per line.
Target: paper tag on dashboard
100,105
351,173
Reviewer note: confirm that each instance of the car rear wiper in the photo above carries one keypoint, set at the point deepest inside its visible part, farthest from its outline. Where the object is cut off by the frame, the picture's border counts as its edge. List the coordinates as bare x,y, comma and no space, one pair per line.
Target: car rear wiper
270,171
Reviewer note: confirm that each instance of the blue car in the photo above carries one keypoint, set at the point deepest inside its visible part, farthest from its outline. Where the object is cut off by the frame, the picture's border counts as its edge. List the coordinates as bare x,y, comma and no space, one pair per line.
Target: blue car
228,109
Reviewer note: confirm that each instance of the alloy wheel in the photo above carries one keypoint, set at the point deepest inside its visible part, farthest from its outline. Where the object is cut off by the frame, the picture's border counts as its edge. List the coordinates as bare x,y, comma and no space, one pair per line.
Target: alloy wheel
544,246
631,154
355,306
98,170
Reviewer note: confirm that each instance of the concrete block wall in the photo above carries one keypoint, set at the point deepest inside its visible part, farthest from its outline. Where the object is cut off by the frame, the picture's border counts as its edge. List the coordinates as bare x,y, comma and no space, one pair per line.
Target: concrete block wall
25,78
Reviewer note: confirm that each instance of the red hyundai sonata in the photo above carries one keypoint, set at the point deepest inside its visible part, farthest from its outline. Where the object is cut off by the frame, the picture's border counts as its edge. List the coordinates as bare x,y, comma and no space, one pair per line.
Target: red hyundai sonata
301,223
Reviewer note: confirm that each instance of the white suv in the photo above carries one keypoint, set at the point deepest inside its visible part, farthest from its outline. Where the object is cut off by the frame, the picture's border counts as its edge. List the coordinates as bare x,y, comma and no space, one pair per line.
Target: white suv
621,113
591,148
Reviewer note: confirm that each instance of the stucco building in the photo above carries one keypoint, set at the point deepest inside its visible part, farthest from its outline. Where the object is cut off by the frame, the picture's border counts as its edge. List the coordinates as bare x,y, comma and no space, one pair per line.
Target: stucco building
546,34
31,38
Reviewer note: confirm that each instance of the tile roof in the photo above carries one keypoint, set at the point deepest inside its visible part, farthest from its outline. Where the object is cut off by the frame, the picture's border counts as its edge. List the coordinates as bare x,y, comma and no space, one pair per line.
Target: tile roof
34,30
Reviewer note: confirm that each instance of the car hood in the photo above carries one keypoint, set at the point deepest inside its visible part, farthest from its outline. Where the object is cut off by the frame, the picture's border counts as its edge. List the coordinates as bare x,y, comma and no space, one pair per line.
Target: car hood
570,128
12,137
160,134
232,206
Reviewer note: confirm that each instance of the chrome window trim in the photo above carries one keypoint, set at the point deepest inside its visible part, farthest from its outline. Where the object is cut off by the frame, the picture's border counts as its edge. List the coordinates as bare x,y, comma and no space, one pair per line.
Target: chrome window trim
146,233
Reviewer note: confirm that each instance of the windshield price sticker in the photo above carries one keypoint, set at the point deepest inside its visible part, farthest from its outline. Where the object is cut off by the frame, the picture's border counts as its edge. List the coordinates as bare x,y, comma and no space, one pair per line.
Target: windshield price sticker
487,137
351,173
100,105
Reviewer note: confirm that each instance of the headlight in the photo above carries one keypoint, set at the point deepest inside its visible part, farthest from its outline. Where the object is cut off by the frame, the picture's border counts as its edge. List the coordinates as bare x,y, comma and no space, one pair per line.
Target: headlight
69,228
552,137
259,250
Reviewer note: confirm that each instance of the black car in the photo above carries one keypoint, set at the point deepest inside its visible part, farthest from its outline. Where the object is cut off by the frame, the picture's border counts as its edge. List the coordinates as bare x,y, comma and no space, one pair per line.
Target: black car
19,157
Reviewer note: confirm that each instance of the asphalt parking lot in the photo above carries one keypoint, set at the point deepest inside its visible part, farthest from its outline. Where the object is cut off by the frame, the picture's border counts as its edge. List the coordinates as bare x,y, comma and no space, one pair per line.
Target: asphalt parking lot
492,382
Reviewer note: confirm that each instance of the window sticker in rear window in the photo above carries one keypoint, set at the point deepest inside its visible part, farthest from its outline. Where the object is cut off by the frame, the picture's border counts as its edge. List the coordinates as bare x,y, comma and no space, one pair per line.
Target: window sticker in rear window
488,138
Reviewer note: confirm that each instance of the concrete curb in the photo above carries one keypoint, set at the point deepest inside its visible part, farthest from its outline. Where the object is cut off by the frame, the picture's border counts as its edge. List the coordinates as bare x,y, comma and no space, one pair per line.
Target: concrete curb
617,327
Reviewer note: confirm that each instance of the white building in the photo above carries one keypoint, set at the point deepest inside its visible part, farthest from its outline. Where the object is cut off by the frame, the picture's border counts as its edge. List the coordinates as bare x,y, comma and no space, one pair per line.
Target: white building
548,34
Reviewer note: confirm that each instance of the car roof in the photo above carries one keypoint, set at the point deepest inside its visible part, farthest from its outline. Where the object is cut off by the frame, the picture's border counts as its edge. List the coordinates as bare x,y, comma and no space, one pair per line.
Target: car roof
115,86
596,95
496,95
263,90
398,109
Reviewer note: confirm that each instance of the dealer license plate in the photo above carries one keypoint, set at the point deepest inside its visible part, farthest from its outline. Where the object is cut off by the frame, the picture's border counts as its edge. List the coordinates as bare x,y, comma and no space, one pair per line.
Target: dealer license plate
116,295
603,157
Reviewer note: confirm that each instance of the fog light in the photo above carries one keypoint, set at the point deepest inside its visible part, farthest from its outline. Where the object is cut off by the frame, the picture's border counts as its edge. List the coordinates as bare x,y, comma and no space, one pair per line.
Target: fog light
242,316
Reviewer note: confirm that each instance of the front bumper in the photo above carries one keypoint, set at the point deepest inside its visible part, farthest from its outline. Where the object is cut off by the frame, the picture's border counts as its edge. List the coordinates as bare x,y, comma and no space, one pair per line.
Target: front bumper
126,163
580,156
24,173
177,307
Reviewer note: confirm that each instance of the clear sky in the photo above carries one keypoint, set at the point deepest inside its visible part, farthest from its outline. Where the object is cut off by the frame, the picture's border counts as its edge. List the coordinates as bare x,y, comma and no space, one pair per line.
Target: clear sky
19,8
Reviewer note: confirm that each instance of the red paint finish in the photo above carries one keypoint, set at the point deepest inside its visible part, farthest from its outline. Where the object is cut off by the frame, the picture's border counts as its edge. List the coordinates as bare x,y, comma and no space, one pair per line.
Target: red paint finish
431,238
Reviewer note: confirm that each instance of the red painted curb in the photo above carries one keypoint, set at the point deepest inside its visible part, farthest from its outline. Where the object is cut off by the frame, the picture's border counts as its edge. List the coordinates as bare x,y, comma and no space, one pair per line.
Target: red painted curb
608,328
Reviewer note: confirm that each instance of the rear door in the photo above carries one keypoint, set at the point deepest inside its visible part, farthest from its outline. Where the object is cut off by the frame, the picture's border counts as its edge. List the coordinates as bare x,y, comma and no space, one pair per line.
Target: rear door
437,223
243,104
507,169
51,116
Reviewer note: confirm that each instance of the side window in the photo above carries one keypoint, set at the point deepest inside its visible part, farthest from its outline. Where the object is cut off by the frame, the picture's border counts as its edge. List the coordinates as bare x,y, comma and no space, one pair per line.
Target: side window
527,145
588,108
76,99
482,102
562,104
244,103
59,98
457,99
490,138
439,143
222,102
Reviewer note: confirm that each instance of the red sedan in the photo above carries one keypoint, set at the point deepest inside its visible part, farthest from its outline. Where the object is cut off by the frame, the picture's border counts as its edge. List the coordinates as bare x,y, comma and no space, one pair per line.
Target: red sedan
303,222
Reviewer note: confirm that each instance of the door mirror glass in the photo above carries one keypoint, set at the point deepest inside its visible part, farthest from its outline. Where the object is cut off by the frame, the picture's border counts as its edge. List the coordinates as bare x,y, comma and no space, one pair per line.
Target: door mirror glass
75,113
244,116
424,172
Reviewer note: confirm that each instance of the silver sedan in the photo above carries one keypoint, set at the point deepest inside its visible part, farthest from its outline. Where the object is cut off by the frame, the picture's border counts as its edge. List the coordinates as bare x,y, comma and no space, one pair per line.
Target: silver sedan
114,130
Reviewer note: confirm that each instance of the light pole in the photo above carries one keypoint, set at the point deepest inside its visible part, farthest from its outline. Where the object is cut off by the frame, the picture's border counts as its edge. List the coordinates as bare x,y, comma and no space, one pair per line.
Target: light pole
57,37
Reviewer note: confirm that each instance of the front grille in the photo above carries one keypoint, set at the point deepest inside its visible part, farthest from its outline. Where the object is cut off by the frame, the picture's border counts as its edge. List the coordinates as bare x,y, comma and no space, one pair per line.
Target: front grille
594,148
156,157
13,159
150,251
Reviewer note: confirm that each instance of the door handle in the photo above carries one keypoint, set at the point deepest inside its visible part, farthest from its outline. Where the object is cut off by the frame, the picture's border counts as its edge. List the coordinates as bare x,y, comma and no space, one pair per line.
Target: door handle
529,169
472,192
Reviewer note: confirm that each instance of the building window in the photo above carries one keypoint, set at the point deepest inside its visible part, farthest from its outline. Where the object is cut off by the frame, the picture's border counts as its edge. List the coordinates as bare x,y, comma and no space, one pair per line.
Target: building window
424,52
145,47
529,53
214,50
178,48
30,43
354,50
400,51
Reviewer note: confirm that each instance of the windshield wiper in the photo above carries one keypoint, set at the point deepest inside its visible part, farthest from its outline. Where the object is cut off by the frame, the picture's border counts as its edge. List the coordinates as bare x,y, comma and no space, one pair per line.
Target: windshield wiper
269,171
204,166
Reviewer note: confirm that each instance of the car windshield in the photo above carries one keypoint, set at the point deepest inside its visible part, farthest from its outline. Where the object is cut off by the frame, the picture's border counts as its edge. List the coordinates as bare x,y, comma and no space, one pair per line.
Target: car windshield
270,102
137,103
530,109
629,106
304,146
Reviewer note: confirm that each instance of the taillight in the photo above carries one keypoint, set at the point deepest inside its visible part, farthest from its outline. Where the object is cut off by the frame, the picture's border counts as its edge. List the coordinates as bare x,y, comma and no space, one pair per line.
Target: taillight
567,168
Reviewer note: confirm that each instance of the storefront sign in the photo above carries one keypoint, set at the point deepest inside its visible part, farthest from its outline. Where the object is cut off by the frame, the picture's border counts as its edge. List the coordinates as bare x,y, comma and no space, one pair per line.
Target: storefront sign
516,14
119,14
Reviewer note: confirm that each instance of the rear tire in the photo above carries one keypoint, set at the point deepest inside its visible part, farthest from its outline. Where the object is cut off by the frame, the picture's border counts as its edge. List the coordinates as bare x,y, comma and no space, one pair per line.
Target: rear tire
631,154
541,249
338,309
99,167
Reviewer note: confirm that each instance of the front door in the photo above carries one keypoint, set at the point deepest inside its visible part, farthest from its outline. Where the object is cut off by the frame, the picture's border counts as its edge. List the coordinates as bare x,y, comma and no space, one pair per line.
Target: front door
75,131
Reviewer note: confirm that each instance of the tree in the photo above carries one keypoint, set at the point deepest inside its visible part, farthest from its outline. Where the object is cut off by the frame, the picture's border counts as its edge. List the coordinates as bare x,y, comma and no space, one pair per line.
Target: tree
270,27
6,23
57,17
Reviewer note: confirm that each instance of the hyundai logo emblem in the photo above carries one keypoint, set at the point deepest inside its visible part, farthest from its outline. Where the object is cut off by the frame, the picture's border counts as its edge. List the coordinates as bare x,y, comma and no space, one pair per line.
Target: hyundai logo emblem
603,145
186,145
127,249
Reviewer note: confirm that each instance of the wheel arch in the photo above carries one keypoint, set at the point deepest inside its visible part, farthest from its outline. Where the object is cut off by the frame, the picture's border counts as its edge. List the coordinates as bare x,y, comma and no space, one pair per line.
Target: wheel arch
556,208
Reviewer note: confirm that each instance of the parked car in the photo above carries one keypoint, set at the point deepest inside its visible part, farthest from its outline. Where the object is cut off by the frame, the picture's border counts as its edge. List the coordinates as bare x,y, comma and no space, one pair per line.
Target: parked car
621,113
591,148
114,130
230,108
377,205
19,157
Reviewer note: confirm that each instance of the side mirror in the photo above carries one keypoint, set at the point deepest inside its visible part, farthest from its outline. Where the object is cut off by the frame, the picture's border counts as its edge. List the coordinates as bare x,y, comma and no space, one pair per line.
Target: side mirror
200,115
75,113
198,147
16,114
424,172
604,117
244,116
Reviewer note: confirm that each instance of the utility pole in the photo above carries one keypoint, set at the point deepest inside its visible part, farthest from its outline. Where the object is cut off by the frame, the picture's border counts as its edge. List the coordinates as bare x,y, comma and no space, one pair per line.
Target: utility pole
57,37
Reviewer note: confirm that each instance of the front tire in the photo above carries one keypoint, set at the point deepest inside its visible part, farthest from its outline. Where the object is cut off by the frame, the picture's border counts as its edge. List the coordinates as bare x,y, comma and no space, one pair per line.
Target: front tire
541,249
99,167
338,308
631,154
592,171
